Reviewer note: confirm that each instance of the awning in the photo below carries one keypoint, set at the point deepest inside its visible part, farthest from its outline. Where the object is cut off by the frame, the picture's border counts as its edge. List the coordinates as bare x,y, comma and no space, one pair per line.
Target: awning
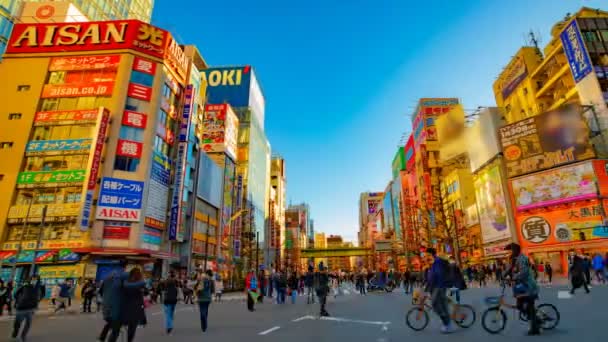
7,255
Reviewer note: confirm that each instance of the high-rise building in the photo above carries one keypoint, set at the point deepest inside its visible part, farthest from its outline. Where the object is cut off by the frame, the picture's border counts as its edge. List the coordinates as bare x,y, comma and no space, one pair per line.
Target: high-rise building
103,10
369,205
341,263
307,237
89,127
8,11
277,206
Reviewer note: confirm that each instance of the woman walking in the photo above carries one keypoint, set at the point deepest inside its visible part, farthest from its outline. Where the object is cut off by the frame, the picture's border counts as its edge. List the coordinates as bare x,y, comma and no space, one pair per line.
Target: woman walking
132,310
204,289
292,283
219,287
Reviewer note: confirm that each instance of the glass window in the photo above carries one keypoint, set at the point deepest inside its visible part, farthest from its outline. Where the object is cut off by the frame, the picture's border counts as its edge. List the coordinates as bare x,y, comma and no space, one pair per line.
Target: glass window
590,36
126,164
57,77
604,35
133,104
68,103
131,133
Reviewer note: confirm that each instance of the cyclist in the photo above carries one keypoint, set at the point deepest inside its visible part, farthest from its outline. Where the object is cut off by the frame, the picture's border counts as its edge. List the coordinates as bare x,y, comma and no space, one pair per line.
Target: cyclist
437,283
525,288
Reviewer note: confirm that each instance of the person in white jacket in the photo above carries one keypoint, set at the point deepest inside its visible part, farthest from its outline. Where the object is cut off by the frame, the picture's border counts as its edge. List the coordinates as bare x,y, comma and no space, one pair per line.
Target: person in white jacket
219,287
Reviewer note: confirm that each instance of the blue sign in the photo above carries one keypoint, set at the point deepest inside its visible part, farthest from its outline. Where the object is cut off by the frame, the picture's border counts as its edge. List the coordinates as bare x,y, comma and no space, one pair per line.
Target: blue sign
576,52
86,211
184,128
228,85
58,145
176,198
120,193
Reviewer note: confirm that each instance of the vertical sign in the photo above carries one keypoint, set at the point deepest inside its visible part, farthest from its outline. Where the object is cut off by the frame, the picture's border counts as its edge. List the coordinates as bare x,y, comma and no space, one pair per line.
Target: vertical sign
93,167
175,231
238,223
576,52
184,129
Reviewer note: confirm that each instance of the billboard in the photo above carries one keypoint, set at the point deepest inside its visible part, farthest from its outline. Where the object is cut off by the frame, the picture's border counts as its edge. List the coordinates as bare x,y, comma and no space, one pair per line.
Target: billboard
107,62
409,153
158,191
556,186
396,206
210,180
120,200
220,129
184,128
387,209
58,147
104,88
129,148
229,85
576,52
227,203
175,229
553,138
88,36
514,74
373,205
450,133
429,110
65,117
491,202
583,221
50,178
398,162
484,137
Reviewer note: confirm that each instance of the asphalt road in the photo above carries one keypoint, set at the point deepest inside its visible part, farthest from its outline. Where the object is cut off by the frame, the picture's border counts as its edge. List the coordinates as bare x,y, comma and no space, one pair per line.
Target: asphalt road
376,317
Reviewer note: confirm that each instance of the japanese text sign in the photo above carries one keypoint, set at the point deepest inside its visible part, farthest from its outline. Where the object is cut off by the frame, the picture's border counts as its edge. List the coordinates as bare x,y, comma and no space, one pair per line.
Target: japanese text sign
109,62
140,92
77,90
65,117
120,199
184,129
134,119
58,146
128,148
68,176
144,65
576,52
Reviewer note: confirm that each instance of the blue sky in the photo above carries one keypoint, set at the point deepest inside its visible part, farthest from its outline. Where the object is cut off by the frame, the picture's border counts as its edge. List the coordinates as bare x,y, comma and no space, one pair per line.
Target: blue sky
341,78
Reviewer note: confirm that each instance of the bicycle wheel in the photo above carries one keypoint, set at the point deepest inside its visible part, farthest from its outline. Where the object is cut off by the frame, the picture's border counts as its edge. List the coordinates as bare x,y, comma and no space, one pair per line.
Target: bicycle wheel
464,316
417,319
549,316
494,320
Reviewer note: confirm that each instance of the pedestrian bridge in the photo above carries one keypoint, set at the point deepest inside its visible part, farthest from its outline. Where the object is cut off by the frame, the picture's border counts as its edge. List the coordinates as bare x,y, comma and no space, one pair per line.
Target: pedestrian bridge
335,252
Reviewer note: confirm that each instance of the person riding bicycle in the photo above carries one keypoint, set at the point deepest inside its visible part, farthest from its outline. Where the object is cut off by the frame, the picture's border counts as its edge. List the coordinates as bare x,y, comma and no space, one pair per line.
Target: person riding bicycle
437,284
525,289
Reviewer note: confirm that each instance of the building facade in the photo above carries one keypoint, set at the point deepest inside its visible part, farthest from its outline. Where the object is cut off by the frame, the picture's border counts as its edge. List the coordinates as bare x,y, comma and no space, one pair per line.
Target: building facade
277,207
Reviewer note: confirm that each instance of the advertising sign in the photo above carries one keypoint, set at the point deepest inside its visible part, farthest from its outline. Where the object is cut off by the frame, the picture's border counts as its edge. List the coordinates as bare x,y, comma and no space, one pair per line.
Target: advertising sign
108,62
51,177
576,52
556,186
493,210
483,133
184,128
175,231
120,200
144,65
387,210
398,162
544,141
18,213
450,133
513,75
580,222
176,58
65,117
128,148
93,166
409,153
151,239
396,206
115,230
57,147
220,129
373,205
158,191
88,36
134,119
228,85
140,92
77,90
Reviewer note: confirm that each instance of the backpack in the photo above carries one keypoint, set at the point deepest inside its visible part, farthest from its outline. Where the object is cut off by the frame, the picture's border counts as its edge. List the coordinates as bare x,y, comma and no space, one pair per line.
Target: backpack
205,291
27,298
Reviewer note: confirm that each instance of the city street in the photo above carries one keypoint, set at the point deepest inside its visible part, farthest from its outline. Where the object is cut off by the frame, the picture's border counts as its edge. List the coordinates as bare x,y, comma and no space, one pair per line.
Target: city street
376,317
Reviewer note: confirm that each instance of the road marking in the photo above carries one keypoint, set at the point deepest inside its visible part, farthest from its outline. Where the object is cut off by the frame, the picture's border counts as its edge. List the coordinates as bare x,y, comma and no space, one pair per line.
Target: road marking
348,320
564,295
266,332
303,318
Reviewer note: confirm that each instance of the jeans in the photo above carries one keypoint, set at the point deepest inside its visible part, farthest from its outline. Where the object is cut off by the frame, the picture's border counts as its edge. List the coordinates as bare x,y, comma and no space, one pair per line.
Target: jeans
21,316
456,293
281,295
86,305
310,295
440,305
169,313
294,295
203,308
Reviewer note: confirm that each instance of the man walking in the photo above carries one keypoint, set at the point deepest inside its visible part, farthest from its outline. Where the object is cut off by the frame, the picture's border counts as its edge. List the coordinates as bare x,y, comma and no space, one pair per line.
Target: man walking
26,302
437,286
577,273
322,288
309,282
87,293
169,301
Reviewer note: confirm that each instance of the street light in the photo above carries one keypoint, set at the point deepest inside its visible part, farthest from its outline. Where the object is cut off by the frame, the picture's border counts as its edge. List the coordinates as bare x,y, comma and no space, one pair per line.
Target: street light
30,199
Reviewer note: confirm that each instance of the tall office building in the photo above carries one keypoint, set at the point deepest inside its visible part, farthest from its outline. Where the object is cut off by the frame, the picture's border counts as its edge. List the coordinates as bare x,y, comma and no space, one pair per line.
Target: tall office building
96,10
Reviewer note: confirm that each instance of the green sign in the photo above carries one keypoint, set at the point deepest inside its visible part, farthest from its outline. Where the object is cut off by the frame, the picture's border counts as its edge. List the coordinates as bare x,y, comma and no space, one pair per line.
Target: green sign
398,162
67,176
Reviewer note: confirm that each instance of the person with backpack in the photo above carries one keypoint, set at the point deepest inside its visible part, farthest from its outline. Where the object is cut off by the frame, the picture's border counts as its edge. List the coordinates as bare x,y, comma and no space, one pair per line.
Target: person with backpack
169,301
251,287
437,285
26,303
219,287
322,288
87,293
204,289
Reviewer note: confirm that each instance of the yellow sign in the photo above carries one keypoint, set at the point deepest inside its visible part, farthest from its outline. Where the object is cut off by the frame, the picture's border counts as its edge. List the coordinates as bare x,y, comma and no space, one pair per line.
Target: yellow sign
67,271
201,237
48,244
35,212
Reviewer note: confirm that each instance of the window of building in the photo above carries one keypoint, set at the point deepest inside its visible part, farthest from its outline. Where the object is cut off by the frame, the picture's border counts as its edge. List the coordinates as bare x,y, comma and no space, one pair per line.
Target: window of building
604,35
161,146
142,78
23,87
57,163
126,164
14,116
63,132
590,36
6,144
131,133
1,176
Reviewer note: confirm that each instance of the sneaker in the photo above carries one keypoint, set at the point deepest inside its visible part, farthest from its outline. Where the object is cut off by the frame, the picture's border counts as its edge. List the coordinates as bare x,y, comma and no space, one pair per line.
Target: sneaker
169,331
447,329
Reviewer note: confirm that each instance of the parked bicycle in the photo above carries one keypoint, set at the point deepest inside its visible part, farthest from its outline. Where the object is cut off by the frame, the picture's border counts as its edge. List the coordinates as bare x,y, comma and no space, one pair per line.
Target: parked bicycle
417,318
494,319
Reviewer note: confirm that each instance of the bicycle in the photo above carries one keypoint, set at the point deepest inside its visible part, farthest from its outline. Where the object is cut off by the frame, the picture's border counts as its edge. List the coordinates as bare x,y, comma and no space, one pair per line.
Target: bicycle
547,314
417,318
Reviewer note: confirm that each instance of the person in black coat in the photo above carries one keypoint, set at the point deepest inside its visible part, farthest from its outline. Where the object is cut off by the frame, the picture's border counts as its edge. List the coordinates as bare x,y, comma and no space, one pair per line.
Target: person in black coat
577,273
132,311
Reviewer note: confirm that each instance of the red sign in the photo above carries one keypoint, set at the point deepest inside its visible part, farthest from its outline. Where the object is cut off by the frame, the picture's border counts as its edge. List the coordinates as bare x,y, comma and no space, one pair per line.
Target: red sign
121,214
88,36
128,148
77,90
116,232
410,154
140,92
84,63
101,137
65,117
144,65
134,119
176,58
148,221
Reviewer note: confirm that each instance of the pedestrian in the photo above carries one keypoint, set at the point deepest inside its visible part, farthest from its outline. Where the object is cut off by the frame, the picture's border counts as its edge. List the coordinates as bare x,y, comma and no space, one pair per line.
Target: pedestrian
549,272
64,295
606,266
322,288
455,279
87,293
188,292
587,269
4,294
309,283
406,280
204,289
98,297
55,294
577,273
281,287
219,287
292,283
131,308
251,289
271,283
169,287
598,268
481,276
26,303
9,297
261,286
438,283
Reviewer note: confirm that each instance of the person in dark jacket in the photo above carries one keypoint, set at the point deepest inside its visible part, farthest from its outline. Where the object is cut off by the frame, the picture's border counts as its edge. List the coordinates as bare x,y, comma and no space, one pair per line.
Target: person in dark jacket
437,284
204,289
456,279
322,288
292,283
131,308
281,287
170,301
87,293
64,296
309,283
26,303
107,293
577,273
4,294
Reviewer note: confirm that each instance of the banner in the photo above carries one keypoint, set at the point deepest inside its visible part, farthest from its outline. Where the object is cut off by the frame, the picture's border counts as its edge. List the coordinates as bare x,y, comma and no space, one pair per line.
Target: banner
120,200
514,74
583,221
556,186
66,176
33,213
220,129
65,117
576,52
490,198
58,147
553,138
128,148
482,137
113,230
84,63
